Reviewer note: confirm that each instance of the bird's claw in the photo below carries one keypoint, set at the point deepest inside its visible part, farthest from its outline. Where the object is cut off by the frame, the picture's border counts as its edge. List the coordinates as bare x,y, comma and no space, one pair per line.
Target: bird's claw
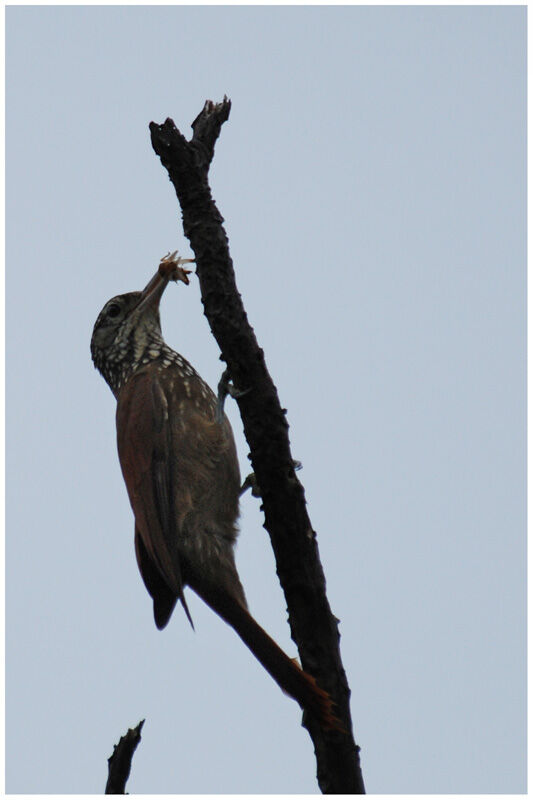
250,482
225,387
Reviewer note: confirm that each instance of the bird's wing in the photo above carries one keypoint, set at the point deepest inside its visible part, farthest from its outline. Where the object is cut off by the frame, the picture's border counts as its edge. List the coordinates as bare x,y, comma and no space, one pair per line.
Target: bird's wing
146,457
164,598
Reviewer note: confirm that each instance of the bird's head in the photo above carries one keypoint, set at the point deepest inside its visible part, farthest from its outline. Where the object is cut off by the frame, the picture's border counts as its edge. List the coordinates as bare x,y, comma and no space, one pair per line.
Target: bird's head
127,332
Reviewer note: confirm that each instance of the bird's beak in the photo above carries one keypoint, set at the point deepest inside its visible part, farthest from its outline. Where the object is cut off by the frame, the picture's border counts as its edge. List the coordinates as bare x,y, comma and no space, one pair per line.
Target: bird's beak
152,292
170,268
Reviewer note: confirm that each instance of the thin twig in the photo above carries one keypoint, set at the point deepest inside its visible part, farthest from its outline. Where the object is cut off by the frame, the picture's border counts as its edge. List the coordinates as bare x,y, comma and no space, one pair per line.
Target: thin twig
120,762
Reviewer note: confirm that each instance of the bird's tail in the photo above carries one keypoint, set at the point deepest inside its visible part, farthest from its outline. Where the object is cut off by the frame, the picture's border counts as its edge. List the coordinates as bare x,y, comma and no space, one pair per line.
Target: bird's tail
287,673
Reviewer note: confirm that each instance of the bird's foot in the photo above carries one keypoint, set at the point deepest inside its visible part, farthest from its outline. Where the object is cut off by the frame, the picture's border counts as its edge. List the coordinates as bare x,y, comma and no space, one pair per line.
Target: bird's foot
225,387
170,267
250,482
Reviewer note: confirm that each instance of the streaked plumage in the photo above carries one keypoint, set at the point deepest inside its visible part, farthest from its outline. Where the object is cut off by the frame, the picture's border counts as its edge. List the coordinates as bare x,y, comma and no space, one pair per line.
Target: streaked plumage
182,475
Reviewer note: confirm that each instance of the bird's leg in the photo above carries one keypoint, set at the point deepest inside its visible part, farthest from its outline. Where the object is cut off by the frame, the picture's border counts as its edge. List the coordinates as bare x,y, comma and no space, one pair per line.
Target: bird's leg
225,387
250,482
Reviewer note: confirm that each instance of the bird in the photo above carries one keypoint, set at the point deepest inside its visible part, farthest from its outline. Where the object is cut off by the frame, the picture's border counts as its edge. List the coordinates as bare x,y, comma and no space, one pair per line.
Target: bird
179,462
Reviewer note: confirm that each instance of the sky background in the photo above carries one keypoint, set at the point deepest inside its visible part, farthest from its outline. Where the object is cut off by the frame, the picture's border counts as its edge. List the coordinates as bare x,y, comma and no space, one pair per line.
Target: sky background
372,179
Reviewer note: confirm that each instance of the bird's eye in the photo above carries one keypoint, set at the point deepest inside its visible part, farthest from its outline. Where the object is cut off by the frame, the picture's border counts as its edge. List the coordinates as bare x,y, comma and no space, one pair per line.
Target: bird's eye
113,310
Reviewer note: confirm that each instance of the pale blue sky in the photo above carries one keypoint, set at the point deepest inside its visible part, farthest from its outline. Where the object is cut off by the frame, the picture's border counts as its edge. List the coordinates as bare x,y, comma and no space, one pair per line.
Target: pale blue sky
372,178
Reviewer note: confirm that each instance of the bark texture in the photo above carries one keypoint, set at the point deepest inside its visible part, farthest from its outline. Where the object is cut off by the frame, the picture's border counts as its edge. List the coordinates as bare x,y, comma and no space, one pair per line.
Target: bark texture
313,627
119,764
